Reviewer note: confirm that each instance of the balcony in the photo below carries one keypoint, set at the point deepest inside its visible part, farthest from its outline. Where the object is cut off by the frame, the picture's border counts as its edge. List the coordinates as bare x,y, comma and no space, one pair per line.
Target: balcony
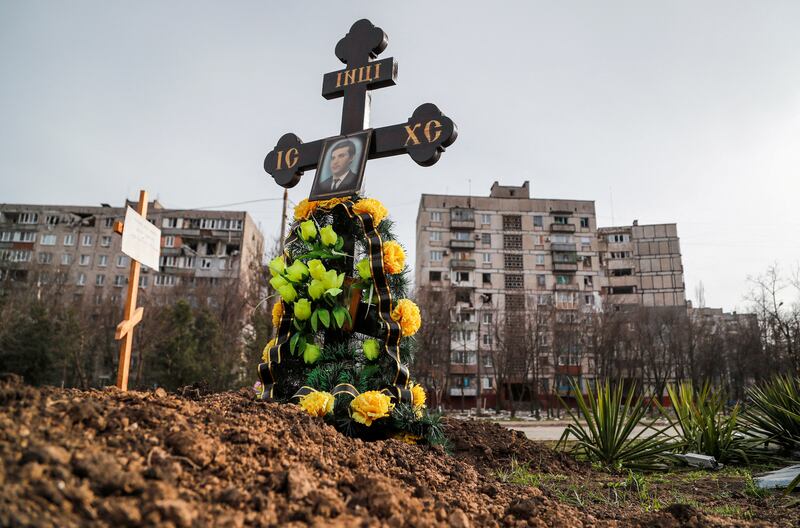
567,287
462,224
562,228
462,244
629,280
570,370
563,247
458,391
460,368
462,264
565,266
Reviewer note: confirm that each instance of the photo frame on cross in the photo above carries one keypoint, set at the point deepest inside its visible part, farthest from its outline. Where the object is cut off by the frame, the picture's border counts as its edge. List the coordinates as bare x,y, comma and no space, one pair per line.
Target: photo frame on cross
341,166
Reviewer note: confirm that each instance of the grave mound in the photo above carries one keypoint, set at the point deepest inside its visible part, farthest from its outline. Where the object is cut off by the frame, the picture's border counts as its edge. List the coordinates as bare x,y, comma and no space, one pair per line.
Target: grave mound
79,458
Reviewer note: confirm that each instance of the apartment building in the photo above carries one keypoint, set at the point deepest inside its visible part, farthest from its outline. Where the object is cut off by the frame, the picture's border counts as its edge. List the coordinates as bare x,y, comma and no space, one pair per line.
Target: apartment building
642,265
76,246
536,269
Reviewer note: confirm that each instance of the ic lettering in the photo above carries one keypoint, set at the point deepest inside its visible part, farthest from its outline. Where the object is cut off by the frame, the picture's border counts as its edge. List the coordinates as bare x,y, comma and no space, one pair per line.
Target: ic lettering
292,156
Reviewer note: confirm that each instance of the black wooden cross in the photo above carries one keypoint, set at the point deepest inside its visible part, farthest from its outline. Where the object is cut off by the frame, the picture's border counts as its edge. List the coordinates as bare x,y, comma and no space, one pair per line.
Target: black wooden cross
424,136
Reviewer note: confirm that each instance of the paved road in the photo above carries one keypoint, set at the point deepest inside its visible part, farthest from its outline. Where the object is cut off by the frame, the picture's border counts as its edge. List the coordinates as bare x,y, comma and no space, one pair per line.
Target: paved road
547,432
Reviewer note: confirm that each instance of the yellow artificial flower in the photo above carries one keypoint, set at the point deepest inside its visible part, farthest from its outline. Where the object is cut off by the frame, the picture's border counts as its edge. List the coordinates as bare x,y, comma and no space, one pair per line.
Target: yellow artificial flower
316,268
331,203
370,406
302,309
277,313
418,392
371,349
277,265
311,353
328,235
297,271
316,289
317,403
364,269
407,314
265,353
304,209
278,281
333,279
287,293
407,438
373,207
308,230
394,258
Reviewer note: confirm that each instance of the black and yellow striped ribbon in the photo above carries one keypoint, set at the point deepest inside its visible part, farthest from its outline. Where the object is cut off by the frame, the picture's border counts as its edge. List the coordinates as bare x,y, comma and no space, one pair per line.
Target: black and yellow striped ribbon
274,354
342,388
393,332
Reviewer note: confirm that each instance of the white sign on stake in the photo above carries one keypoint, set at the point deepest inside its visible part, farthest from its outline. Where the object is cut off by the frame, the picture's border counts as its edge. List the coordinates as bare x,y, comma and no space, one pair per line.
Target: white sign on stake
141,240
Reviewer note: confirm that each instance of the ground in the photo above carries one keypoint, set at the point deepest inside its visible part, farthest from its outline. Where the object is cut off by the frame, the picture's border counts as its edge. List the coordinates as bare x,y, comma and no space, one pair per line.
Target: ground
77,458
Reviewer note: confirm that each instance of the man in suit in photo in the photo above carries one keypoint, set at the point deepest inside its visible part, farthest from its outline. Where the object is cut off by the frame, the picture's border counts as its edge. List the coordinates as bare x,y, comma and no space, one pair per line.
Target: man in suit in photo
342,177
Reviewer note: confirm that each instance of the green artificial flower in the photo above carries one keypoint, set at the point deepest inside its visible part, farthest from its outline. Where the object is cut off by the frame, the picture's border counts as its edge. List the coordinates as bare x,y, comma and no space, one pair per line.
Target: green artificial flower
317,269
302,309
316,289
311,353
328,235
371,349
297,271
308,230
364,269
287,292
278,281
277,265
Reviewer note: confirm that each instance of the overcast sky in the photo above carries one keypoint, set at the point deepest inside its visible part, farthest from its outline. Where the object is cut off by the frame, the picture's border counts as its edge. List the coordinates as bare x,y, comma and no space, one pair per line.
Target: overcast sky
685,112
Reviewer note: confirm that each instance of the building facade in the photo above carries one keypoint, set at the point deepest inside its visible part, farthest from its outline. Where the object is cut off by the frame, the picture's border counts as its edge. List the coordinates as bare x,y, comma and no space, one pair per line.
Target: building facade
76,246
529,273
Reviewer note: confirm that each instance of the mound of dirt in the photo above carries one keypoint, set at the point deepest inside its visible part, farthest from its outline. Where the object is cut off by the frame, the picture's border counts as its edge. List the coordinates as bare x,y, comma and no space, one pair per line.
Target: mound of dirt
488,446
107,458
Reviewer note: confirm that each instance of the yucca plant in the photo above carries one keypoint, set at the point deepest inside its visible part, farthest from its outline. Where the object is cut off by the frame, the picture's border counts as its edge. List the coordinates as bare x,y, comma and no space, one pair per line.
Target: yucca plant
701,425
773,415
608,435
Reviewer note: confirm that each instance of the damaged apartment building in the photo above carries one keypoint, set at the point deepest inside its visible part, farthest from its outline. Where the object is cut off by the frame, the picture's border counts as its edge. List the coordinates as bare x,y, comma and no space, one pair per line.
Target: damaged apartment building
75,247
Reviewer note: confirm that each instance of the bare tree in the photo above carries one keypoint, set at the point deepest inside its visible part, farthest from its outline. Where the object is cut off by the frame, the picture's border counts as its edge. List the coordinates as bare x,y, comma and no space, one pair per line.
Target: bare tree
780,323
432,361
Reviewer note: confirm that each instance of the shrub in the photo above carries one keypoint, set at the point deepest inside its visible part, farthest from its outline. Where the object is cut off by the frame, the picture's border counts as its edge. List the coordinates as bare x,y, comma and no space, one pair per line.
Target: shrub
774,412
702,426
608,435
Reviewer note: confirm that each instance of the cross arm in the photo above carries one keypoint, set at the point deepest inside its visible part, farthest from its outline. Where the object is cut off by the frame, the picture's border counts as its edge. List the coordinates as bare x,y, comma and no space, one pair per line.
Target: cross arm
127,325
426,134
290,158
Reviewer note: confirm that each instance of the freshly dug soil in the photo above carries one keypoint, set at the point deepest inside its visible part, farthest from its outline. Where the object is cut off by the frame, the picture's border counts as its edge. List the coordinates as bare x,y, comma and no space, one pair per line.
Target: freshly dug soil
107,458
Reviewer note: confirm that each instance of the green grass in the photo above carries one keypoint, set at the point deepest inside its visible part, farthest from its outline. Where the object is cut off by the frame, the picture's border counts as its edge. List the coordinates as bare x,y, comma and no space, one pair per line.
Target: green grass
521,475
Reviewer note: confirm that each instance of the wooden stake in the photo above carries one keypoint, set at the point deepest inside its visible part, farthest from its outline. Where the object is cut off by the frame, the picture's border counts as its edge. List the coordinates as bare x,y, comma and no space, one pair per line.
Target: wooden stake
283,220
133,315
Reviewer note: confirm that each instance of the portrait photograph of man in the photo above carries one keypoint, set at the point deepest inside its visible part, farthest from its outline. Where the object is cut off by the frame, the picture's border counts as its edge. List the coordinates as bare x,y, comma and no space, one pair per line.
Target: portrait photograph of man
341,167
